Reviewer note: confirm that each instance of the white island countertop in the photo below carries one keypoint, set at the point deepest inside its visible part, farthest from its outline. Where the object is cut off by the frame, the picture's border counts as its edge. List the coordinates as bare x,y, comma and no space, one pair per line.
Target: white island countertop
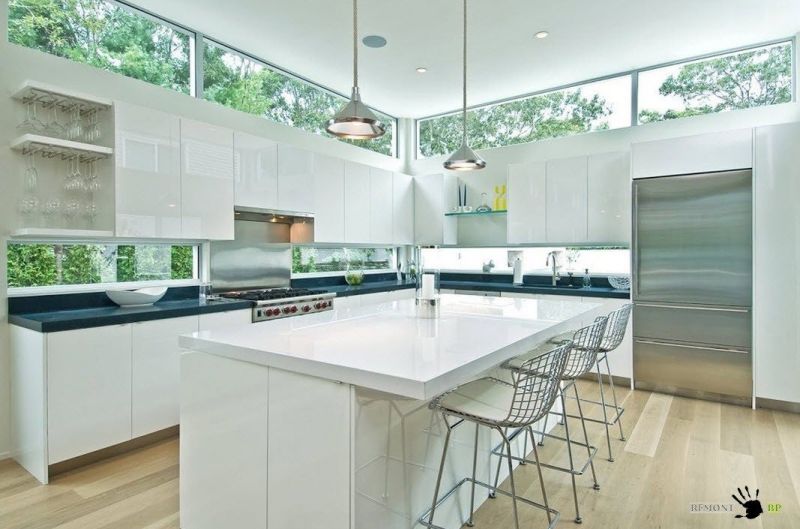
385,347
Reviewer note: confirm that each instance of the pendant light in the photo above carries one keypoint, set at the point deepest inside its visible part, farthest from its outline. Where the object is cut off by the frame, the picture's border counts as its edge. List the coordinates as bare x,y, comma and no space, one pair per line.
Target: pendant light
464,159
355,120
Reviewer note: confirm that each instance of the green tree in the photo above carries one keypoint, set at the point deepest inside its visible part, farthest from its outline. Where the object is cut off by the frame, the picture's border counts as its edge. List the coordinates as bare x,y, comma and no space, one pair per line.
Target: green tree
550,115
31,265
239,83
182,262
80,264
750,79
105,36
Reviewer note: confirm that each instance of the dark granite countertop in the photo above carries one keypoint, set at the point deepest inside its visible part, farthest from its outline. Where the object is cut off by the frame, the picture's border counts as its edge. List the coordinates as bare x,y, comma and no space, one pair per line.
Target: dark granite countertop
373,287
370,287
65,320
591,292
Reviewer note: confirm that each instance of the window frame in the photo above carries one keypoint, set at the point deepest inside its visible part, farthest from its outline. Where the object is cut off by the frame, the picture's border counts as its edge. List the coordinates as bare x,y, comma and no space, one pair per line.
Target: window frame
199,269
196,54
199,88
634,75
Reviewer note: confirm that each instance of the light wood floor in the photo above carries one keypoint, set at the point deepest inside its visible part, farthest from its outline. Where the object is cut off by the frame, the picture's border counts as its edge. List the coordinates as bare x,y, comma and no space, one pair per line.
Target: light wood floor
679,451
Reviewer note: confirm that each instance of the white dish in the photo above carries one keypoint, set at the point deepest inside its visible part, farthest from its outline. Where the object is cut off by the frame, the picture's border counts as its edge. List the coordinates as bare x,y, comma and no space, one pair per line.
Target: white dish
136,298
620,282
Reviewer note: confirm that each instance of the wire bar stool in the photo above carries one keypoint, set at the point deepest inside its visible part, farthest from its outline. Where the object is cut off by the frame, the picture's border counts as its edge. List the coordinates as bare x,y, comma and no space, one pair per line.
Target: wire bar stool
581,360
612,339
500,405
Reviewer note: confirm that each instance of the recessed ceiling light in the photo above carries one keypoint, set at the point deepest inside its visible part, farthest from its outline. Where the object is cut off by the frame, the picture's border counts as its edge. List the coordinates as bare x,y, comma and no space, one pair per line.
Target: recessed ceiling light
374,41
422,69
542,34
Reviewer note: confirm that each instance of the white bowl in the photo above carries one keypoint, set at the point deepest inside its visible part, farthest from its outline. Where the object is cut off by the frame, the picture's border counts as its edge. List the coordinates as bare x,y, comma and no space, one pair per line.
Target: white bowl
136,298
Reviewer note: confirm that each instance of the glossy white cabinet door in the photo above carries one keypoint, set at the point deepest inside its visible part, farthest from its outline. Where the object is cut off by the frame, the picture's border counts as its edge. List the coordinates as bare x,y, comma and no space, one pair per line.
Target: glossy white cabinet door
356,201
223,452
566,200
403,209
431,201
609,194
156,373
147,180
222,320
88,390
381,206
309,444
776,253
718,151
295,179
526,203
328,193
206,181
255,171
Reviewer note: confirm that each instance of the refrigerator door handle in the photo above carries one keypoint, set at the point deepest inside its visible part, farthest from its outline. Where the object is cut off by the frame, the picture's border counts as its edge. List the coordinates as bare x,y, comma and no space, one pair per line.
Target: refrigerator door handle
684,346
741,310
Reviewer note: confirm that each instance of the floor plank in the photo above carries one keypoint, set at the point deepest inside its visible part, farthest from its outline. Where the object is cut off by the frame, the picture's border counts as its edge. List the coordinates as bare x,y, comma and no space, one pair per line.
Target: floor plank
679,451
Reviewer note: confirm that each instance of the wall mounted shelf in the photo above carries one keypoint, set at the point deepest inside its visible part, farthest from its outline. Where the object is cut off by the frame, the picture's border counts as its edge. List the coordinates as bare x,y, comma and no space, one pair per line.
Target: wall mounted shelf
476,213
45,94
56,147
61,233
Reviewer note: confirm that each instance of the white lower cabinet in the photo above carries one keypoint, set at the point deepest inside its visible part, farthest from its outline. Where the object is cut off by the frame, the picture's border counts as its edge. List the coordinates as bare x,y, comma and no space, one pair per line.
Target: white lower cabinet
156,373
88,390
220,320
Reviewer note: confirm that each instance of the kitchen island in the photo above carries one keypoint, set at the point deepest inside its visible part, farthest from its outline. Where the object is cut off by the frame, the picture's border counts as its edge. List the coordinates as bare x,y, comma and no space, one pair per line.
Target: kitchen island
322,420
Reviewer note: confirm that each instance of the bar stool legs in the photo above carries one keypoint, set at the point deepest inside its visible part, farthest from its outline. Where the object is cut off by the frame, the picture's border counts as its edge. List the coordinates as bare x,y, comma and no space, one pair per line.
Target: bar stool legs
614,397
578,518
596,485
470,522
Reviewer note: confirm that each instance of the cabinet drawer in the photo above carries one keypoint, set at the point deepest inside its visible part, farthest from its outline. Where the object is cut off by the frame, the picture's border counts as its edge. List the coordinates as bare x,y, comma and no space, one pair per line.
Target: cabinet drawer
725,327
691,369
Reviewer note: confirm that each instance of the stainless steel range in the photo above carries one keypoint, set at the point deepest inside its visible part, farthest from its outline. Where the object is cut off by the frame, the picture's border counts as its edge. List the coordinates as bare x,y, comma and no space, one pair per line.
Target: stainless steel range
274,303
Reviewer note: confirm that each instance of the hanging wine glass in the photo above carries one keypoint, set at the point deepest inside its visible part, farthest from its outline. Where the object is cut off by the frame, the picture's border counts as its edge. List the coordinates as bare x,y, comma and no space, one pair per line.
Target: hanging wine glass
31,174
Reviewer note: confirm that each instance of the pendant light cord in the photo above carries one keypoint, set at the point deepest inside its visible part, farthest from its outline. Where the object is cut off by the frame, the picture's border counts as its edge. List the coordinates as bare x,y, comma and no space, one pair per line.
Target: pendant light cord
355,43
464,87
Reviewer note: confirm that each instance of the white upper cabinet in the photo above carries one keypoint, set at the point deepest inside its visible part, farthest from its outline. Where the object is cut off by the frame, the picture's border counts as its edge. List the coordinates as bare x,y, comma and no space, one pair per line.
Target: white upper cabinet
776,250
609,186
431,227
403,209
526,203
328,191
566,197
357,203
88,390
155,381
148,173
255,171
719,151
381,205
295,179
206,181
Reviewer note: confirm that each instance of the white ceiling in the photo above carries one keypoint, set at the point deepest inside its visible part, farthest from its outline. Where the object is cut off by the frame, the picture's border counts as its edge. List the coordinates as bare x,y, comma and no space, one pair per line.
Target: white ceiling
588,38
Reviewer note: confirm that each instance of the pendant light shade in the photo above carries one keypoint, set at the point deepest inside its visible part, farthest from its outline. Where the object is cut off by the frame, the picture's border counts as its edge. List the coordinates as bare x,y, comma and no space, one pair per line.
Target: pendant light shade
355,120
464,159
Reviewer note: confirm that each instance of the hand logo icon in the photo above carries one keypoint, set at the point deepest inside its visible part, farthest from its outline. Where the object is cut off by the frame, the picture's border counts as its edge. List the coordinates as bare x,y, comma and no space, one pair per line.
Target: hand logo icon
752,506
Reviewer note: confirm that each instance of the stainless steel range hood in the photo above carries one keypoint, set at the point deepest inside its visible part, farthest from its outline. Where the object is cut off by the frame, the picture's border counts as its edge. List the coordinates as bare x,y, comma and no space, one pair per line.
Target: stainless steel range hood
260,256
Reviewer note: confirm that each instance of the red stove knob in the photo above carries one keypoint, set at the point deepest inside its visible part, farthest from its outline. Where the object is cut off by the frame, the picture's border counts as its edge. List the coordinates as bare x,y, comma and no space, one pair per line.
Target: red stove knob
318,305
271,312
306,308
293,309
287,310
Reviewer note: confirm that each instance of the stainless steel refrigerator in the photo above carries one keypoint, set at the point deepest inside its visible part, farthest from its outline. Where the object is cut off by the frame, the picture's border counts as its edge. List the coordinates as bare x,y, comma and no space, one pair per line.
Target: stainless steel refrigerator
692,285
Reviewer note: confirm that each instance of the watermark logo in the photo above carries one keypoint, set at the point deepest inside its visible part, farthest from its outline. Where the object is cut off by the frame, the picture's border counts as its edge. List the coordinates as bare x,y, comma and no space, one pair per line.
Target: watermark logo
752,506
745,501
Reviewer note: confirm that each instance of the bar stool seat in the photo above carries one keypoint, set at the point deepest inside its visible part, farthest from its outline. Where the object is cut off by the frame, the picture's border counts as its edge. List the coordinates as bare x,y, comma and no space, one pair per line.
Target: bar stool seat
484,399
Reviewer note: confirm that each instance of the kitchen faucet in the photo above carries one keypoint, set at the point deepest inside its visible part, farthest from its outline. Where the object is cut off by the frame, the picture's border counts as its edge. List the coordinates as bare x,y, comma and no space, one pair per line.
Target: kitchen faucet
554,256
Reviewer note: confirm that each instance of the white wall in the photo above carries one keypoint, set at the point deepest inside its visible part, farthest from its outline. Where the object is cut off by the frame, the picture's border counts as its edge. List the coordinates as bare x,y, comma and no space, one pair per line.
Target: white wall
19,64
